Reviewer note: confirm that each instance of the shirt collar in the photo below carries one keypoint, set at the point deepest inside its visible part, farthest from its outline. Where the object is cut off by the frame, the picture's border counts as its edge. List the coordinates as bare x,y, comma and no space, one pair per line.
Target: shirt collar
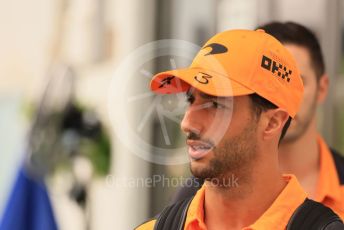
195,215
277,215
281,210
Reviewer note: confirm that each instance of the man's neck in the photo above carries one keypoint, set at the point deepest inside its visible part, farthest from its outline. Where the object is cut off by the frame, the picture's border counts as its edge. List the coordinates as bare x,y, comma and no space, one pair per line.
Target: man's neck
301,158
241,206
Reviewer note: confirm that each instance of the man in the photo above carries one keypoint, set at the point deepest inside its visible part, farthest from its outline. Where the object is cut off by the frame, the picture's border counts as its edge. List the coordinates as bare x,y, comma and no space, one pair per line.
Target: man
243,88
303,152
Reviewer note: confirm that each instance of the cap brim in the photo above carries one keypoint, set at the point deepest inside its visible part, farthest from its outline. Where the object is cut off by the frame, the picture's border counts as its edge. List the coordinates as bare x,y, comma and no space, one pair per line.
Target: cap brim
180,80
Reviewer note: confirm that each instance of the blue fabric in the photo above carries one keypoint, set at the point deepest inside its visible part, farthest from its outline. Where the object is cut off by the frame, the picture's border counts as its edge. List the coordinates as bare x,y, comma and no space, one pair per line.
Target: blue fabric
29,206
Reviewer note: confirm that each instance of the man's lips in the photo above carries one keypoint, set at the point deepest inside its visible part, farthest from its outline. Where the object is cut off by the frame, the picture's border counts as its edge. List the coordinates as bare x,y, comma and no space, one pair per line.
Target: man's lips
198,149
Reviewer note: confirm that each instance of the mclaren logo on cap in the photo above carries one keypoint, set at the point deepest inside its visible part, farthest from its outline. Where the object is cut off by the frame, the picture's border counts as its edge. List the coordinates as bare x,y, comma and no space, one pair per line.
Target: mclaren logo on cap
216,48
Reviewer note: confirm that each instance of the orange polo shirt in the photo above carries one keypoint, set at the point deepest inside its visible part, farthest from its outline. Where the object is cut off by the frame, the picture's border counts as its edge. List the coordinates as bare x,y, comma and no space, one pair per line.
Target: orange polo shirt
329,191
275,217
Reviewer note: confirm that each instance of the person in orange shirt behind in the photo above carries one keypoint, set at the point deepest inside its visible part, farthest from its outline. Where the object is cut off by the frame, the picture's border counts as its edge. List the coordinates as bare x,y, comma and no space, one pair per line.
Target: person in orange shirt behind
243,89
303,151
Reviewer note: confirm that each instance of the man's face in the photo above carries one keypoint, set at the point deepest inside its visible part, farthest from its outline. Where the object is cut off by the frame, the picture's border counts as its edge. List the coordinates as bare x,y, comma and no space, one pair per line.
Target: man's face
308,106
212,156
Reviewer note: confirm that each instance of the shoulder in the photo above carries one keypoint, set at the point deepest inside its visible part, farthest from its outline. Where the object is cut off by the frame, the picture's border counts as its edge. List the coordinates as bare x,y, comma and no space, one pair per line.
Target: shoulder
335,226
148,225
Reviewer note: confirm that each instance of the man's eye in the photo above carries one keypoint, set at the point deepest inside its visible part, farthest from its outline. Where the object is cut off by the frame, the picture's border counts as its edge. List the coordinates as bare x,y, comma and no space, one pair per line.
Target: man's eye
190,99
217,105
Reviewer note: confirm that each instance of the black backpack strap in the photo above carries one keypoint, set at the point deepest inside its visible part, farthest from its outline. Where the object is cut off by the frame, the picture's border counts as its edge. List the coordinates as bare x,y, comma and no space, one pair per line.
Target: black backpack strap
173,217
313,215
339,162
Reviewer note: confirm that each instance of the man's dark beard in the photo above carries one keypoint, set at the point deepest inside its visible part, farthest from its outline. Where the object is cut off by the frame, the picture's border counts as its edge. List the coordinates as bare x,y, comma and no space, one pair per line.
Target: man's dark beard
233,158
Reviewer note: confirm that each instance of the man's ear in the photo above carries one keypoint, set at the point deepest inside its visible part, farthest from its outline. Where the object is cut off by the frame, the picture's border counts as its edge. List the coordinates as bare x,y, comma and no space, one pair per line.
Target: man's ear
274,123
322,89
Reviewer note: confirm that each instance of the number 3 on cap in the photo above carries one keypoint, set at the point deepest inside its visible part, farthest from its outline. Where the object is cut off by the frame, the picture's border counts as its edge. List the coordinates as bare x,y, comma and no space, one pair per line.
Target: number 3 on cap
202,78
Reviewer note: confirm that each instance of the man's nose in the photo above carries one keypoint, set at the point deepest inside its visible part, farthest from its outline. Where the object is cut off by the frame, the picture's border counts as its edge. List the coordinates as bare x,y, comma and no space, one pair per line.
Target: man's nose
191,122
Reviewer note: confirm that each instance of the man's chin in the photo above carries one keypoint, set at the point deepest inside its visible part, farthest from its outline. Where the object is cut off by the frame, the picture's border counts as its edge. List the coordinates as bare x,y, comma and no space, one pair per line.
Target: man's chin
200,170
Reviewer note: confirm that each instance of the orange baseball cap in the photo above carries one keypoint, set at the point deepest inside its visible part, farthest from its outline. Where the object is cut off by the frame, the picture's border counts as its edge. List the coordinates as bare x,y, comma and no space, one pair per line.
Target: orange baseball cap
239,62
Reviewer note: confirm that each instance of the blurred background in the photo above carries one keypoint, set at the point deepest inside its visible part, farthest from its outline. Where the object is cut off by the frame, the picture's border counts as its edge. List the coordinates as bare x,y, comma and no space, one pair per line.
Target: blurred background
63,157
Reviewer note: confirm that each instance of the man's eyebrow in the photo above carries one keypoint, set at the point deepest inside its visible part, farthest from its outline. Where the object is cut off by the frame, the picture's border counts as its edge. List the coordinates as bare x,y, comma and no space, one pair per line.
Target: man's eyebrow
191,91
203,95
207,96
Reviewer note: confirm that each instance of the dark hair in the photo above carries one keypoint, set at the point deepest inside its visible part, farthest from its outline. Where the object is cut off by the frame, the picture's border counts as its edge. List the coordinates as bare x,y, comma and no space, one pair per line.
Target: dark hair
260,104
293,33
